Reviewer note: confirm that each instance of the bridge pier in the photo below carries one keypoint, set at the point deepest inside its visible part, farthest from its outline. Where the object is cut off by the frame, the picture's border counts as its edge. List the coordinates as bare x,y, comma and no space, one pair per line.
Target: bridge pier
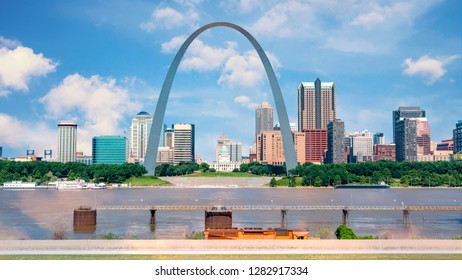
406,217
218,219
284,221
84,218
345,217
152,222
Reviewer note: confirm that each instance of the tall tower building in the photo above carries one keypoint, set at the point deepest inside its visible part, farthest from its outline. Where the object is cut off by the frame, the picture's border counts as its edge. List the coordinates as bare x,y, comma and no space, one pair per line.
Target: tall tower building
67,141
269,148
139,135
412,139
457,137
235,151
335,142
316,105
406,112
264,118
361,145
109,150
379,139
169,140
183,150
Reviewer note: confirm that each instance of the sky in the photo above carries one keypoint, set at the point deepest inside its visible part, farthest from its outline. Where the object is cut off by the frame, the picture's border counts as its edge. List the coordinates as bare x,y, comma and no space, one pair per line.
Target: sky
101,62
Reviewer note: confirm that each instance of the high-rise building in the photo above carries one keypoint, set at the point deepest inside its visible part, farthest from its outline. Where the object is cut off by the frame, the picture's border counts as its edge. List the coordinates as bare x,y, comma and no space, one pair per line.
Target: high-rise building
139,136
269,148
1,152
405,112
361,145
316,105
299,145
67,141
335,142
412,139
264,118
315,145
235,151
379,139
457,137
183,151
109,150
169,139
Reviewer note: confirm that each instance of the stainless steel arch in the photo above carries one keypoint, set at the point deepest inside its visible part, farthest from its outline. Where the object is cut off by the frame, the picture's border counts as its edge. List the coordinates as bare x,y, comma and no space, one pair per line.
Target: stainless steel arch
153,142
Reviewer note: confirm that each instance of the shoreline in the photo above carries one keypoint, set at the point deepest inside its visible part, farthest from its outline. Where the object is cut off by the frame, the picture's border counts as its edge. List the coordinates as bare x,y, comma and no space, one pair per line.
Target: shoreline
272,247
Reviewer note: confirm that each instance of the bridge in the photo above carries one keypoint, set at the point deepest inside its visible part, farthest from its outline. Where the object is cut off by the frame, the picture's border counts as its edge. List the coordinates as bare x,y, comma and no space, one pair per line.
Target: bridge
221,216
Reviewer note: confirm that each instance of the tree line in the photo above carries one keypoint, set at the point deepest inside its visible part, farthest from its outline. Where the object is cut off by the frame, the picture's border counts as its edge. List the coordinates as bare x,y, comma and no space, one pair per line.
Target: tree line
441,173
43,172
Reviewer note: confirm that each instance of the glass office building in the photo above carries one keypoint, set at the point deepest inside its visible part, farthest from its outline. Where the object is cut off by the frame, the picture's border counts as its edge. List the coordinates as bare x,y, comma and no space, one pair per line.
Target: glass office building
109,150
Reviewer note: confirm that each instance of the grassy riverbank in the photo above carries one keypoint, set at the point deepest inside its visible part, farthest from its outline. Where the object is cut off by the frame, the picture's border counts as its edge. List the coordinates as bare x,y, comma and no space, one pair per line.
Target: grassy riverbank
146,181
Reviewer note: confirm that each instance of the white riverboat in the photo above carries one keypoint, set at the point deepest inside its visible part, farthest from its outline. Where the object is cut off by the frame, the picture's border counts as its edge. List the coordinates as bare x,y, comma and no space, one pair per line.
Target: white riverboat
19,185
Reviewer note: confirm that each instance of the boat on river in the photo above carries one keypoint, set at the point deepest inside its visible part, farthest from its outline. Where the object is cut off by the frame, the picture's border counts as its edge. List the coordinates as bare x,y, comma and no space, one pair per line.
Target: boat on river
381,185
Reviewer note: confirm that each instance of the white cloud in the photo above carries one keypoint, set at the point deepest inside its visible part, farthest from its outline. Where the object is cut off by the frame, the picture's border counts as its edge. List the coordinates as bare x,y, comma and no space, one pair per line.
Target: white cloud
174,44
5,42
202,57
391,14
19,65
168,18
26,135
245,101
245,70
285,19
431,69
98,105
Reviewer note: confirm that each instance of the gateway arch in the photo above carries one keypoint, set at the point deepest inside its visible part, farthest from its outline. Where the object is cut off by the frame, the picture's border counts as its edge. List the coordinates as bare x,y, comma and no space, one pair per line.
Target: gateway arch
158,120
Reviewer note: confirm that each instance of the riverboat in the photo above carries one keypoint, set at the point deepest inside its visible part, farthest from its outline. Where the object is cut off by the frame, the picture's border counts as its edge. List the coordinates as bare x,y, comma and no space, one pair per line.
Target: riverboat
381,185
19,185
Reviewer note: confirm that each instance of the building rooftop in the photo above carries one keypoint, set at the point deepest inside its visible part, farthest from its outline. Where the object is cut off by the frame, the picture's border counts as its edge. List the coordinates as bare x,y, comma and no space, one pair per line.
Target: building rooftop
143,113
323,84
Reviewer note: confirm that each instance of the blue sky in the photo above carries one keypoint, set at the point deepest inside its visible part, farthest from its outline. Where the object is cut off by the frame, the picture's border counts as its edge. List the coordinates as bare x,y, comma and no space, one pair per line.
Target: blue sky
101,62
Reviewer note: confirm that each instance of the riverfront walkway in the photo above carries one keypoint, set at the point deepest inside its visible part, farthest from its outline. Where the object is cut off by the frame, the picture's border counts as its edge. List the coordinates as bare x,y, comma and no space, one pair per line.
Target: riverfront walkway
422,246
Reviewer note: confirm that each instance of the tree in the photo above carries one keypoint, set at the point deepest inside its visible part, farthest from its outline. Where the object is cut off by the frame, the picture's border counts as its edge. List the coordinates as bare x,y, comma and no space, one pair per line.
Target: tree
337,180
317,182
291,181
344,232
273,182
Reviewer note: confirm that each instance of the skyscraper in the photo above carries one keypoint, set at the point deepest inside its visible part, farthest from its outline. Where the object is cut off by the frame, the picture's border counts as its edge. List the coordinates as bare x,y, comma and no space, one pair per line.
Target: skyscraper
316,105
412,139
264,118
406,112
361,145
335,142
67,141
457,137
109,150
139,135
183,150
269,148
169,137
379,139
315,145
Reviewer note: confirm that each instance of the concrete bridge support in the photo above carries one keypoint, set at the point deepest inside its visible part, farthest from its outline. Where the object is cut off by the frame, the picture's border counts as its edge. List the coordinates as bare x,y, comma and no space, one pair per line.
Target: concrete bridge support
218,219
346,217
406,217
84,218
152,222
284,221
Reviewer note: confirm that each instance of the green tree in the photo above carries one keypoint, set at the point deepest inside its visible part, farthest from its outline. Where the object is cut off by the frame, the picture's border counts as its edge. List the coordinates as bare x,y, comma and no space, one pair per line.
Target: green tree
344,232
273,182
317,182
337,180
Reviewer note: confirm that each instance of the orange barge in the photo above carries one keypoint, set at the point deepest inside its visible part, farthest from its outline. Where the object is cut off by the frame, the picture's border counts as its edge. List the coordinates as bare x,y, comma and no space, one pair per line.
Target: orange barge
255,233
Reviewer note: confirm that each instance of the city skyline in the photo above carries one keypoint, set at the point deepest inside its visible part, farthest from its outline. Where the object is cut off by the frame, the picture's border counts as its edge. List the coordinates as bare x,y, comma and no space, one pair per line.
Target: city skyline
99,64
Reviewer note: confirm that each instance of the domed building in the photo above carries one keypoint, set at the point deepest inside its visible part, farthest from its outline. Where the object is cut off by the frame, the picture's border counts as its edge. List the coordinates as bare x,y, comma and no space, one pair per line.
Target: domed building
139,136
224,154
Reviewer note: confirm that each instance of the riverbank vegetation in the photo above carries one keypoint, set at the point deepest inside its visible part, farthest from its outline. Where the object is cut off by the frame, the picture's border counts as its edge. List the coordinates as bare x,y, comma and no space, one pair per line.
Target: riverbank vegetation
404,174
43,172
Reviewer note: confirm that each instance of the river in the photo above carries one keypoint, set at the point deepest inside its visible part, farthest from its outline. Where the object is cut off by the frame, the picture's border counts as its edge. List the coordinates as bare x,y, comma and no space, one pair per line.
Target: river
36,214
